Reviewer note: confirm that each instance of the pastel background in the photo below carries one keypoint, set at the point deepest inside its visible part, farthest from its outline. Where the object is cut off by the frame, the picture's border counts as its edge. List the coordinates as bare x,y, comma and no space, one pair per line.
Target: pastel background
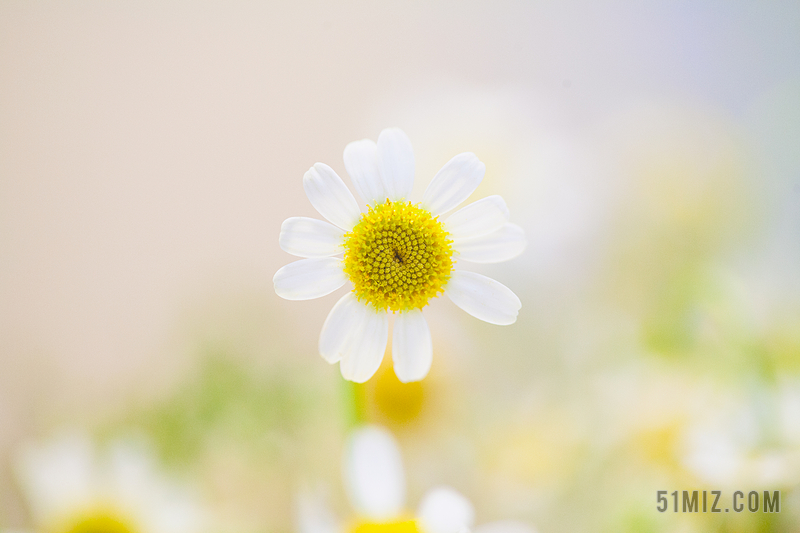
149,152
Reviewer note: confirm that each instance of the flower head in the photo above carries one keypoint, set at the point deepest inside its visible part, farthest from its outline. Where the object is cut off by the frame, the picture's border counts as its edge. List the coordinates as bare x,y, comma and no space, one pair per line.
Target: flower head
72,489
375,482
397,255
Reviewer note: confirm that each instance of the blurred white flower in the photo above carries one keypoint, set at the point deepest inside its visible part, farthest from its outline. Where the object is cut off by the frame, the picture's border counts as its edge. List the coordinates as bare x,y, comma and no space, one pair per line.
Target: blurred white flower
70,488
397,255
375,482
749,441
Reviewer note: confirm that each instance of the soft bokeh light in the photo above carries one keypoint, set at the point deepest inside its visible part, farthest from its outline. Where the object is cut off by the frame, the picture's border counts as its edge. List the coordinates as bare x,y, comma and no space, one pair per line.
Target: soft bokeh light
149,152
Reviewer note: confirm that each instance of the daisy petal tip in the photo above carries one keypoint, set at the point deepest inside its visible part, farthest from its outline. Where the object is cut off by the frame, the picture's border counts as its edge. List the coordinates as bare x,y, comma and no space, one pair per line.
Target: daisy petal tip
445,510
363,350
479,218
511,320
342,320
308,237
360,372
483,298
412,349
406,379
507,242
453,184
506,319
330,358
361,162
356,378
307,279
395,163
330,196
322,168
331,354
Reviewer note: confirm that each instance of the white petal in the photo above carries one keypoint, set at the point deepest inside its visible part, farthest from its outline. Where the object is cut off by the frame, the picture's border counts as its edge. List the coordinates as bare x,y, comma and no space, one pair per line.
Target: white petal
132,477
453,183
361,162
483,297
312,515
500,245
330,196
58,476
445,510
478,218
309,278
132,470
342,321
174,512
363,350
396,163
309,237
504,526
412,350
374,473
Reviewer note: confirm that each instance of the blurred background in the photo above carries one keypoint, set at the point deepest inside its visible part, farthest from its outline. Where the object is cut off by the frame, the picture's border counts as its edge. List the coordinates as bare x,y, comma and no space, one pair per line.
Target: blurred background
149,152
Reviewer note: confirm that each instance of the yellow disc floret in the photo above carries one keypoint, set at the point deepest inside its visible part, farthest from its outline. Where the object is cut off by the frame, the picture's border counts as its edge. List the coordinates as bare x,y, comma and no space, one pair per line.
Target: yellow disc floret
398,256
400,526
95,522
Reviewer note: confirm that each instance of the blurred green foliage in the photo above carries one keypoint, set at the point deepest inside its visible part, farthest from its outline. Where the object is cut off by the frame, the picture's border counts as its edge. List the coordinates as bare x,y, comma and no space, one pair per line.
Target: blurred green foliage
233,402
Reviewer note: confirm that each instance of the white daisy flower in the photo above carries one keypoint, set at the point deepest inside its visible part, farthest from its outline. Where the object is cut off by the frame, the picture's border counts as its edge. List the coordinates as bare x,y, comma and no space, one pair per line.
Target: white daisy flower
397,255
72,489
375,483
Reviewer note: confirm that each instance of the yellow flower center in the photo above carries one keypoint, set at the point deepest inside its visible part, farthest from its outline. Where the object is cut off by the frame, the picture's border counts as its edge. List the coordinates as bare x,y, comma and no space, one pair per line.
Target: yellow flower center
401,526
97,522
398,256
